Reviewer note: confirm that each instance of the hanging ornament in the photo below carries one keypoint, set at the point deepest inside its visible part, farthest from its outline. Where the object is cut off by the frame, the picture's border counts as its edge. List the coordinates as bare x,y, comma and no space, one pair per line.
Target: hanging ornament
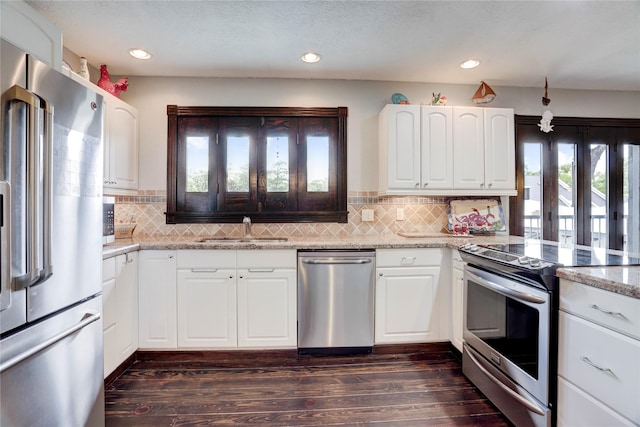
545,122
484,94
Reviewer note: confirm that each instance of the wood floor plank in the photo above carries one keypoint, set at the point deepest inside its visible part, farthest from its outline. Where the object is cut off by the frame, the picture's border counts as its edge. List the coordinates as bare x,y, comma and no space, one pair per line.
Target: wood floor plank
408,386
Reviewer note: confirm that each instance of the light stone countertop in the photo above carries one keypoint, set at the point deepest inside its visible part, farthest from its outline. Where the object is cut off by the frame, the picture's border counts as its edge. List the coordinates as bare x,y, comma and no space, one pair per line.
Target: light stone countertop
385,241
624,280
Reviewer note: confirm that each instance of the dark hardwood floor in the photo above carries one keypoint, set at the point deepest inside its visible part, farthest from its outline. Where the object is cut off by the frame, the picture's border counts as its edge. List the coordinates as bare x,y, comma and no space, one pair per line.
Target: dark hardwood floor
420,385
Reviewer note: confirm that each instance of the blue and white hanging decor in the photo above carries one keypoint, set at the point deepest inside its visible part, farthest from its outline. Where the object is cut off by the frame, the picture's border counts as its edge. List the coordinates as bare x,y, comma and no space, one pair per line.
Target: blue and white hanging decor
545,122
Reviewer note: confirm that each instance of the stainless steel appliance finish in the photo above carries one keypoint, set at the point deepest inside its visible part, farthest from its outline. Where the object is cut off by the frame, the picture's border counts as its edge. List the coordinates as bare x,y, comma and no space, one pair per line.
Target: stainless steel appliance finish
507,340
336,302
511,321
47,371
108,220
51,248
510,331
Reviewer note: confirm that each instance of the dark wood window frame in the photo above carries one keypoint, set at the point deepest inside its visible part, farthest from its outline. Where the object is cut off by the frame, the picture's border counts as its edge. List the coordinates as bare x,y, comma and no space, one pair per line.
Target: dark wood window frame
333,211
581,131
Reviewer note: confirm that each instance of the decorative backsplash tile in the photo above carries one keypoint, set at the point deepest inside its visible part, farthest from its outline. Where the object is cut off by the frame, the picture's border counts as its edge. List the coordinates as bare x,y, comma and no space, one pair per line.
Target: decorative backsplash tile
424,214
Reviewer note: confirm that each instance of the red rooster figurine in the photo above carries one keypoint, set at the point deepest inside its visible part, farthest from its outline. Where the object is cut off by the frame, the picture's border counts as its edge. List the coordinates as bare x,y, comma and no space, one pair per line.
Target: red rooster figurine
113,88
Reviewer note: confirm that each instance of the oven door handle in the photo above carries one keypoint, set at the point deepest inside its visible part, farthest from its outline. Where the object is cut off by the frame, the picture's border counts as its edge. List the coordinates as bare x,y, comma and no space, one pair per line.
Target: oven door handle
527,403
522,296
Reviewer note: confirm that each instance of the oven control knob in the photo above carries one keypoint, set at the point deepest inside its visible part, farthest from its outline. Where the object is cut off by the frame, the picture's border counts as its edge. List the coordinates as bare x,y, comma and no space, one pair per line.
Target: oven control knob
534,262
523,260
474,248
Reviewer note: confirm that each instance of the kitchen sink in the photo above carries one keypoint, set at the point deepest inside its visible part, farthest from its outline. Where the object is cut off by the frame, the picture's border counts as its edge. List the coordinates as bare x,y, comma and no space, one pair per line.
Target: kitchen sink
243,240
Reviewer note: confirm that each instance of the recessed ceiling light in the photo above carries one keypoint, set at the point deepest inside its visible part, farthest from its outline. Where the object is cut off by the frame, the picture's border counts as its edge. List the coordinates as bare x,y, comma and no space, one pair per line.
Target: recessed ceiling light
470,63
310,57
139,53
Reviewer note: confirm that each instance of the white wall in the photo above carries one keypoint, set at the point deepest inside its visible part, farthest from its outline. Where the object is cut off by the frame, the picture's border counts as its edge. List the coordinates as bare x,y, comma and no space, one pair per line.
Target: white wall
365,99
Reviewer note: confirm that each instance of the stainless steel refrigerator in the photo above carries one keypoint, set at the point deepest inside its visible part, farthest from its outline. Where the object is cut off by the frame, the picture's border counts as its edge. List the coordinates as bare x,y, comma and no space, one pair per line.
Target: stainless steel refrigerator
51,350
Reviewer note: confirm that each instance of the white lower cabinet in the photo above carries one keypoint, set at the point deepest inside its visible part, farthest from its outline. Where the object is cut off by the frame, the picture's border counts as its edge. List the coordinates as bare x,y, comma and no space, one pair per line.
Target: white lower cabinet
598,357
157,304
409,297
229,299
206,305
457,299
120,309
267,315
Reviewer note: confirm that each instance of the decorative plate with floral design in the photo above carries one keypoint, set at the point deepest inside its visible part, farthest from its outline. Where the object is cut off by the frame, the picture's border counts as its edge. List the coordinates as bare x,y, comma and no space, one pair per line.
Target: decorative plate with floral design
476,215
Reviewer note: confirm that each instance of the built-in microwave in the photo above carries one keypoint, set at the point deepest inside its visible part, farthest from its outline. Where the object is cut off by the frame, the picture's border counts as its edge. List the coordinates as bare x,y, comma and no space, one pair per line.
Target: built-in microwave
108,220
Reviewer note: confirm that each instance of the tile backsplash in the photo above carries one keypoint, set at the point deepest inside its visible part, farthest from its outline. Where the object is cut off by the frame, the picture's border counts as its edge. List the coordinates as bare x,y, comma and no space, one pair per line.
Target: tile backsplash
424,214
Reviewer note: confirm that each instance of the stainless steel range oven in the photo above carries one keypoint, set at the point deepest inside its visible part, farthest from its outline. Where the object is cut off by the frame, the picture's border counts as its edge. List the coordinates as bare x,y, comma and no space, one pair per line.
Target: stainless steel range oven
510,323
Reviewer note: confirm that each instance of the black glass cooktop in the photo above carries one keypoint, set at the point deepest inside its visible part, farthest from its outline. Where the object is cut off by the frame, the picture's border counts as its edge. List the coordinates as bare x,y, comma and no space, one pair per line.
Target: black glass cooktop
568,256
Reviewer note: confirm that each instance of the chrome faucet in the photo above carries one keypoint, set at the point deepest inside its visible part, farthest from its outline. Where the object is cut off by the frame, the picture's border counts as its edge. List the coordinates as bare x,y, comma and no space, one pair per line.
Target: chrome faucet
246,222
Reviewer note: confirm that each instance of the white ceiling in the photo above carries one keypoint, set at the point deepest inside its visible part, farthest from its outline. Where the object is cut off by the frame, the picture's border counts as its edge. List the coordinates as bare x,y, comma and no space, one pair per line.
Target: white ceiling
576,44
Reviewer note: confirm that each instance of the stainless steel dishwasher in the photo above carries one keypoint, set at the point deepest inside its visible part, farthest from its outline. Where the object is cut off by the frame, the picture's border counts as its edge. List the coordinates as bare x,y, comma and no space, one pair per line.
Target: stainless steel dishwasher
336,301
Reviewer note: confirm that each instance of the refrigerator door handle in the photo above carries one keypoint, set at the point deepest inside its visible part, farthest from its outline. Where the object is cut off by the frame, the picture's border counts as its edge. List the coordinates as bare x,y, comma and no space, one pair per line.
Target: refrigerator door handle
5,245
47,190
39,198
87,319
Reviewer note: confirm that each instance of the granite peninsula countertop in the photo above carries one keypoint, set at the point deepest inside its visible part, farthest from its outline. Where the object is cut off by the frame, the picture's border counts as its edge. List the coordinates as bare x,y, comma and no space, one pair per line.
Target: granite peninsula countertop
622,280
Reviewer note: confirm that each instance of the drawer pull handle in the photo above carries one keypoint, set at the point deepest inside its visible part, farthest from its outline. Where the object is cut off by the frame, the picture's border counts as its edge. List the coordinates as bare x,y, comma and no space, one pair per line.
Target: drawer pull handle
611,313
407,260
586,360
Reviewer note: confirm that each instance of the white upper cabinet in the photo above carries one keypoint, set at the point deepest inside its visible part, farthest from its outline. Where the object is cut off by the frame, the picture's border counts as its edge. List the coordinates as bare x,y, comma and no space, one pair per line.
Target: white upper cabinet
121,145
468,148
28,30
437,148
484,149
120,141
446,150
399,129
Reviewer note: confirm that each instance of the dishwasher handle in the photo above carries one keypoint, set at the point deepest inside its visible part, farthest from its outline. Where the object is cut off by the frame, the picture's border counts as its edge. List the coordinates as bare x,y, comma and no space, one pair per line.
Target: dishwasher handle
336,261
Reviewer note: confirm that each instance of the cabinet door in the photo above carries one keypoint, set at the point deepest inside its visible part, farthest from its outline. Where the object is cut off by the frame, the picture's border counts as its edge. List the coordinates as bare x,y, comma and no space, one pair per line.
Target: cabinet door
127,304
437,147
577,408
26,29
267,308
468,148
121,145
109,315
399,128
457,303
499,149
407,305
157,301
603,363
206,308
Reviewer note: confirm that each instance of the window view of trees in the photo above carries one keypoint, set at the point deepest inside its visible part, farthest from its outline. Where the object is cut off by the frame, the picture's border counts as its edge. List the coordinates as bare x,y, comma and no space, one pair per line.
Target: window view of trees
272,164
578,185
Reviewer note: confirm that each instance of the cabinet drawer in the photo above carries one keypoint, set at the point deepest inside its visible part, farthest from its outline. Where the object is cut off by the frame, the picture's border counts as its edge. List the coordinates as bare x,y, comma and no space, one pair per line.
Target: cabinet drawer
108,269
206,258
577,408
274,258
593,304
618,385
408,257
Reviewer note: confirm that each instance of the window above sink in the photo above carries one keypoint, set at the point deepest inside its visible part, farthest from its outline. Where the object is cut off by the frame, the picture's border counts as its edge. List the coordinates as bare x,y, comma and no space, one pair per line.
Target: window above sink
274,164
